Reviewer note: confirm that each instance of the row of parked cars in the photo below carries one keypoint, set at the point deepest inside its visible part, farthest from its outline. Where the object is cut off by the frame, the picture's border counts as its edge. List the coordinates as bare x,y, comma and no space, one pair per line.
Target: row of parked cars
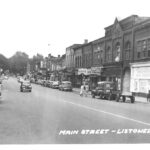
64,85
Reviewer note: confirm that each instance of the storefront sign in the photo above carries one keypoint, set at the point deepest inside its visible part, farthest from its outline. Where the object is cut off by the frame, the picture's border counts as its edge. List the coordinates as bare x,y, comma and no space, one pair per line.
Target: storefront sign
140,77
96,70
84,71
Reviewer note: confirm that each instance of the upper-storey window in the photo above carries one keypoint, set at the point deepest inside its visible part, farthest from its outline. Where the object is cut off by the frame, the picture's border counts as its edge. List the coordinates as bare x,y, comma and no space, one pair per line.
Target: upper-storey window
127,50
142,51
148,47
116,53
108,54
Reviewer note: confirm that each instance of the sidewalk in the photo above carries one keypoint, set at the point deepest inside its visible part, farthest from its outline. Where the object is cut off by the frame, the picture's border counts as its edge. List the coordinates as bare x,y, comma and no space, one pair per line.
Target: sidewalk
77,91
137,98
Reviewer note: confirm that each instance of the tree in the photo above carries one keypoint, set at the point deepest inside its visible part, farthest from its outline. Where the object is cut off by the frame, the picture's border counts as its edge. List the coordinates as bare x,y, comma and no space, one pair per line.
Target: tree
36,60
18,63
4,63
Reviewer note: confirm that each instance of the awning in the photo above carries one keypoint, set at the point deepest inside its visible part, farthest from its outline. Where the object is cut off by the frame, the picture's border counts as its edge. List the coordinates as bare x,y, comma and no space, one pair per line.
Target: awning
111,71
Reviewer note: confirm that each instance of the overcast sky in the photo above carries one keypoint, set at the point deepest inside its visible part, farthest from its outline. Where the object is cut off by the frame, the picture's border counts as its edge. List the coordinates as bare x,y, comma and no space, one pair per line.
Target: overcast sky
49,26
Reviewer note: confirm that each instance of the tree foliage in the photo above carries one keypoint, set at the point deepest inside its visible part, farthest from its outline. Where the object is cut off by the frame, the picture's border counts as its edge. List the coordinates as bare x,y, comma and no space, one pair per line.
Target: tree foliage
18,62
4,63
36,60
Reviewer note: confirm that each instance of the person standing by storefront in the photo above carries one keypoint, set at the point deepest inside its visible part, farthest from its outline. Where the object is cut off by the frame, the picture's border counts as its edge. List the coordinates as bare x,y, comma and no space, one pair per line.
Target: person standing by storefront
82,90
86,87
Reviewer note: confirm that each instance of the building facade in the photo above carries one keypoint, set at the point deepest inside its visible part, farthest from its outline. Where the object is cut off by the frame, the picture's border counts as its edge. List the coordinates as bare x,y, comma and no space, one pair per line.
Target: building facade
70,63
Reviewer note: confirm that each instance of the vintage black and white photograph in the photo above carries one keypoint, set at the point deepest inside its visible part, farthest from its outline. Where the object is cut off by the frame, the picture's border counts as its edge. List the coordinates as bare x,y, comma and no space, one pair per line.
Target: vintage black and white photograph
74,72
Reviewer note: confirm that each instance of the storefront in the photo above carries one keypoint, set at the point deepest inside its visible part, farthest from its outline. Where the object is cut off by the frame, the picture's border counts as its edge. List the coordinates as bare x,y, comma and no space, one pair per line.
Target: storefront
140,78
95,76
70,75
114,74
82,75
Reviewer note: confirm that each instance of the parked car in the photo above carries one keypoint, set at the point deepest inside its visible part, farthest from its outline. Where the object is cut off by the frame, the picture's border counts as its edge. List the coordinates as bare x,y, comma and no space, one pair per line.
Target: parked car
55,84
106,90
50,83
5,77
43,82
65,86
25,86
46,83
32,80
0,87
39,81
20,79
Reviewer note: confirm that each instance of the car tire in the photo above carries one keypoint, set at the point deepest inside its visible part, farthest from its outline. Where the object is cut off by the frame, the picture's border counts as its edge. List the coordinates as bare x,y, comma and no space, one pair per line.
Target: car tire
132,99
124,98
93,96
110,97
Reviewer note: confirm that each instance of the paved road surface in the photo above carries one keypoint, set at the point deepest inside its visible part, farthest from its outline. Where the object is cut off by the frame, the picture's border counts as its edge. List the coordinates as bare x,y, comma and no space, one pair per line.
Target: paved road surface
51,116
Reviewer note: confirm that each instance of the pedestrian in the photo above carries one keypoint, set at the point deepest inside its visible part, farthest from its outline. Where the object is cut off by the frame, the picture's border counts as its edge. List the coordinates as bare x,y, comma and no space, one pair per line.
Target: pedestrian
86,90
148,96
0,87
82,90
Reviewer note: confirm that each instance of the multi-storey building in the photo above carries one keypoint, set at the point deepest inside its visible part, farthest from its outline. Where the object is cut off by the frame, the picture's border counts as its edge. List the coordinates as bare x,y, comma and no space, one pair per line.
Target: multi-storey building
70,63
126,42
98,47
122,56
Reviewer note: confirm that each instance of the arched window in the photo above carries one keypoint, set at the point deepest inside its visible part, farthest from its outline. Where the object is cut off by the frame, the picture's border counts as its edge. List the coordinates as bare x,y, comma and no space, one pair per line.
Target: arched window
127,50
116,53
108,54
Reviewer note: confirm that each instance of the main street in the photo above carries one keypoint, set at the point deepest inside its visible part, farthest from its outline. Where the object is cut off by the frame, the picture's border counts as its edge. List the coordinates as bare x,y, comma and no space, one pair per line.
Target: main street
51,116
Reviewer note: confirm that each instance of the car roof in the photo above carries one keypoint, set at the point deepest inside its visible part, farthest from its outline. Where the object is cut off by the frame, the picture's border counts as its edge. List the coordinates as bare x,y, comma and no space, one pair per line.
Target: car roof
66,82
25,81
102,82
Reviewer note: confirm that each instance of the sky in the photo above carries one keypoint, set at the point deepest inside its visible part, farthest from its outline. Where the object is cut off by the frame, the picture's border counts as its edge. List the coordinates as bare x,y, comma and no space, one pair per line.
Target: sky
50,26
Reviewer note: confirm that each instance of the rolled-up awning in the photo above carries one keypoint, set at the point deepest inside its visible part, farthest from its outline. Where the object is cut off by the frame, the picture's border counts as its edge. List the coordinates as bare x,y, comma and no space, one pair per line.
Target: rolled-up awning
111,71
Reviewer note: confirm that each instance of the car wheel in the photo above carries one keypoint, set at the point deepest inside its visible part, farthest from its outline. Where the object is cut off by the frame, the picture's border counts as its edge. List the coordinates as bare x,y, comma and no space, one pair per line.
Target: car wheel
100,96
132,99
110,97
124,98
93,96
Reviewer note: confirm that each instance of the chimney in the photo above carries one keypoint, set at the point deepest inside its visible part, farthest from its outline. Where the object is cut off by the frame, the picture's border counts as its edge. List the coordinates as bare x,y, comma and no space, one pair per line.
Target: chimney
49,55
85,41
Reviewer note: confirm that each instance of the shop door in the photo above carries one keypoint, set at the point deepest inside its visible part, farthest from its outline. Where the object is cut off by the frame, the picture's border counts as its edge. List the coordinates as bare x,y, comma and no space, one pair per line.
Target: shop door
126,82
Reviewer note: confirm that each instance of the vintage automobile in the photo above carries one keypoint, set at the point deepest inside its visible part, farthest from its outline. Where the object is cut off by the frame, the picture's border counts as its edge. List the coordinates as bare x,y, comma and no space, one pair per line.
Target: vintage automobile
55,84
65,86
50,83
25,86
106,90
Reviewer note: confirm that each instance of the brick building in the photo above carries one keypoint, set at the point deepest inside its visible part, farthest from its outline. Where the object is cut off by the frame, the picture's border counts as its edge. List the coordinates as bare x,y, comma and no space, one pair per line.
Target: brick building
126,42
70,63
122,56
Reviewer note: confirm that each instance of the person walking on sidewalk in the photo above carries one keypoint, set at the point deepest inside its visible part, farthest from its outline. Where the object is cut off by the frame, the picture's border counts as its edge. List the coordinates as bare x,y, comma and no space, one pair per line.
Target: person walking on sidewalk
82,90
0,88
86,90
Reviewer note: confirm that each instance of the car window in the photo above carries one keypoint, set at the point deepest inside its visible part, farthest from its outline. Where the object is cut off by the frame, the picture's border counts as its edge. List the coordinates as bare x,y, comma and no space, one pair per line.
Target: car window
100,85
26,83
